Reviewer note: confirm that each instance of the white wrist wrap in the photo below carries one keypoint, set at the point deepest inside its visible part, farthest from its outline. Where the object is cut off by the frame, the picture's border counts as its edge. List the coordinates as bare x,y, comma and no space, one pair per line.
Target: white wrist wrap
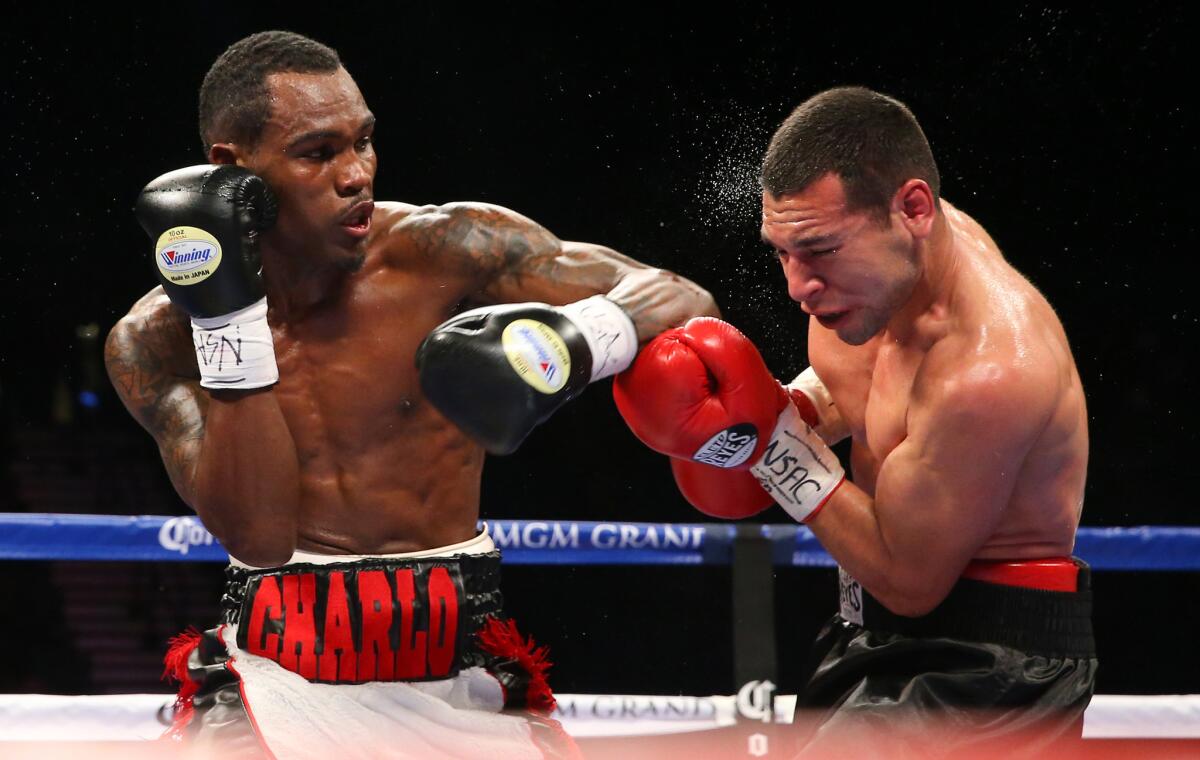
609,332
830,425
236,350
797,468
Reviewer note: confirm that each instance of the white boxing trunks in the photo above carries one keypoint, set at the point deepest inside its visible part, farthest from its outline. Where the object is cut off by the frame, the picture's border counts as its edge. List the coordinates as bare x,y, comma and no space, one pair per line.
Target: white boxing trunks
392,656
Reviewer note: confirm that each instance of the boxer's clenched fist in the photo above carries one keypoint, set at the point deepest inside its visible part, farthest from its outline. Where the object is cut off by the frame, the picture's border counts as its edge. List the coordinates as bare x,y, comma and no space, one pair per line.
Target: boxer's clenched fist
702,394
499,371
205,223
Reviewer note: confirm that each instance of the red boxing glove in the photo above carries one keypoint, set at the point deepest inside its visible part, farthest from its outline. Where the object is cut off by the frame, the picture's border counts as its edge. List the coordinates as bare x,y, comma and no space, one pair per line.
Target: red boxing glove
731,494
727,494
701,392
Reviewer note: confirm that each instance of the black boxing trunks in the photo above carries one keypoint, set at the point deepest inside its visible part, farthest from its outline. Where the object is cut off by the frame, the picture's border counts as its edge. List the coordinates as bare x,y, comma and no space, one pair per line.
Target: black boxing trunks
392,656
1004,666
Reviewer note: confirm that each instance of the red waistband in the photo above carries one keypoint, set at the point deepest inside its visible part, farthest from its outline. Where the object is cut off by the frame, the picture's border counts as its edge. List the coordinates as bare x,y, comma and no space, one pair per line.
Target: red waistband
1049,574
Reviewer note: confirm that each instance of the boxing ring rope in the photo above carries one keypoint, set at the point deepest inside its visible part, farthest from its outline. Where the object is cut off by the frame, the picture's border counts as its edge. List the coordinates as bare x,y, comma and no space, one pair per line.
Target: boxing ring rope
151,538
752,550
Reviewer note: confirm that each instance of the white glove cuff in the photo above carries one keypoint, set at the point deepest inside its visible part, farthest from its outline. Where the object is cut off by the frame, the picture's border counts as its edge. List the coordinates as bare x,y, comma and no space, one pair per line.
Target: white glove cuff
830,425
797,468
609,332
235,350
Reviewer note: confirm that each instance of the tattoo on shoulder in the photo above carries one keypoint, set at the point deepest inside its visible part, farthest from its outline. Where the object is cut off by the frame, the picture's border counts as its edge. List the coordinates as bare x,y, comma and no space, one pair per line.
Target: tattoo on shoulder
486,241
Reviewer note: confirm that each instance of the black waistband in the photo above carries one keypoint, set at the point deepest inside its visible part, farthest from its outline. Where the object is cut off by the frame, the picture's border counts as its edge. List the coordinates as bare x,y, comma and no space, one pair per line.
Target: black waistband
480,574
1052,623
372,619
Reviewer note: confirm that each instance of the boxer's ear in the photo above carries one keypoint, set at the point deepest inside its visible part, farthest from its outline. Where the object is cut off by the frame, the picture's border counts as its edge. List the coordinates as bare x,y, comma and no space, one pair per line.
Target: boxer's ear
224,153
915,205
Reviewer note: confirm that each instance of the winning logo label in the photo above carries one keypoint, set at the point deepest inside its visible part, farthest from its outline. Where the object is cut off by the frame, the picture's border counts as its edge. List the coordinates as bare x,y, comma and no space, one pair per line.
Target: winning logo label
187,255
537,354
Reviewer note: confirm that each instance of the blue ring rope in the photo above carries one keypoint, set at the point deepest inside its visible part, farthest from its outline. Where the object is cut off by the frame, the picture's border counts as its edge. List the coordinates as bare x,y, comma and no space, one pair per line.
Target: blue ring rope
25,536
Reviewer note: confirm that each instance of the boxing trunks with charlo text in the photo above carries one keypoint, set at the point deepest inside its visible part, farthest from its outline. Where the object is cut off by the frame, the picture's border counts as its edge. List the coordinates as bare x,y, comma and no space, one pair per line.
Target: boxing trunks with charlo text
1006,660
387,656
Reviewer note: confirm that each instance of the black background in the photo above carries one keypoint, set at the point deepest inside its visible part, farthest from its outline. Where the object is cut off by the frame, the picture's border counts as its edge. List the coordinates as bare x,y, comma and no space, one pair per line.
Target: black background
1068,134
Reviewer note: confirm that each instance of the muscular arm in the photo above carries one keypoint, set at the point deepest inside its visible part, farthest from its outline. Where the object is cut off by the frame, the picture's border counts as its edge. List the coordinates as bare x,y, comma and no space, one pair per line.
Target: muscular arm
229,454
941,492
511,258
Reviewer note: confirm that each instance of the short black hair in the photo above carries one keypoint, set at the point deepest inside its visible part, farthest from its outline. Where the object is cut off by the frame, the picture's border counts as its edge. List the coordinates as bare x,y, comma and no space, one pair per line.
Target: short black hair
234,102
869,140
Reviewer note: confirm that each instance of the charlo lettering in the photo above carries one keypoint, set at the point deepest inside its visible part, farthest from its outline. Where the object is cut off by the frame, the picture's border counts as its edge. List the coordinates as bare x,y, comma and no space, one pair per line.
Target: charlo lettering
356,625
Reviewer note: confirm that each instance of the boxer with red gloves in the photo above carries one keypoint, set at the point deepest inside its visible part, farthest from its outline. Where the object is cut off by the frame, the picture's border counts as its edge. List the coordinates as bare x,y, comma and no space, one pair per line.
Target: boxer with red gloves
960,604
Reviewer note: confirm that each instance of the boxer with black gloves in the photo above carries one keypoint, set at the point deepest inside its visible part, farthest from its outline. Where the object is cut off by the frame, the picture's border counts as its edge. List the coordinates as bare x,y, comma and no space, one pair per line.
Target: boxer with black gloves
964,625
276,367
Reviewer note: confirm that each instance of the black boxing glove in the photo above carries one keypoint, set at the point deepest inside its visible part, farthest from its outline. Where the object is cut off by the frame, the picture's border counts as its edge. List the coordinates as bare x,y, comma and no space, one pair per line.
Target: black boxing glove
205,221
499,371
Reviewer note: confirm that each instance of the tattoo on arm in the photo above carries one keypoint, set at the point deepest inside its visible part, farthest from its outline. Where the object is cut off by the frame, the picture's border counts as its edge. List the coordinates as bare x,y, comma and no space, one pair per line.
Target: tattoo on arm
509,258
487,243
149,358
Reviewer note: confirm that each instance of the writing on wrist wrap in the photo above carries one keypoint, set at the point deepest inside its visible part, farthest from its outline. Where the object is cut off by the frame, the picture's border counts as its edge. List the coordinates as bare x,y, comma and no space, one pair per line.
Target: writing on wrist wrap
797,468
609,332
236,350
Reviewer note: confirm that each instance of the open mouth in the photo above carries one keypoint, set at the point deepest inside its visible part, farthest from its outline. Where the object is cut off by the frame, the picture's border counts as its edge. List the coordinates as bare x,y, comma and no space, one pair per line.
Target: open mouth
357,221
832,319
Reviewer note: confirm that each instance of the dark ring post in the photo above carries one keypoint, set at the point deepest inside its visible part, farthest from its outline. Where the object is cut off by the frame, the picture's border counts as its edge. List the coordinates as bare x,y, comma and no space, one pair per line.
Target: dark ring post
754,656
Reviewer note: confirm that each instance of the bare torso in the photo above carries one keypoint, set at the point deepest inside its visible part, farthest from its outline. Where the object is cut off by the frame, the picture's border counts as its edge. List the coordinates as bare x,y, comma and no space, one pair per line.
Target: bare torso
381,471
344,454
996,315
379,466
